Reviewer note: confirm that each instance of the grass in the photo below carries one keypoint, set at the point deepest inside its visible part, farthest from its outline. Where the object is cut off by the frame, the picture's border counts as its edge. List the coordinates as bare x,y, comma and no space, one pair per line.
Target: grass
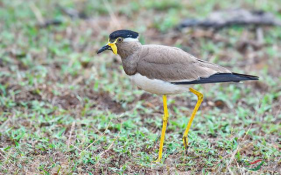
65,110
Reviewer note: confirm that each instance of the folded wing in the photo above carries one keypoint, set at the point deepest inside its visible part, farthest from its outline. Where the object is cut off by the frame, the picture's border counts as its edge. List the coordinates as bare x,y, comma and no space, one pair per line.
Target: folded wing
174,65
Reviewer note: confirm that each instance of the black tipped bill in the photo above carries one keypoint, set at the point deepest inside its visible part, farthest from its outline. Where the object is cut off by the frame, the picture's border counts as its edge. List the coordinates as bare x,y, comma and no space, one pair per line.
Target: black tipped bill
104,48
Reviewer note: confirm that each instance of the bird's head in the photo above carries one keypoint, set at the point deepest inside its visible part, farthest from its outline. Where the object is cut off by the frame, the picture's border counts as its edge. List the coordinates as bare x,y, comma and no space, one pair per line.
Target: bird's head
117,38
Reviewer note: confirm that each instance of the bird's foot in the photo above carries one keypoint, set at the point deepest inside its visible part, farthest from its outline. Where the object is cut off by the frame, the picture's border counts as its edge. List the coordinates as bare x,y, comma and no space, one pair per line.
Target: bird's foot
157,161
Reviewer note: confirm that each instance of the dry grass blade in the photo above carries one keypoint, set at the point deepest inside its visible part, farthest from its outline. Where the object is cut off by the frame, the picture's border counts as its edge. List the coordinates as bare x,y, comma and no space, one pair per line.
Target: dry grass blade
110,146
112,15
37,13
70,135
98,138
231,159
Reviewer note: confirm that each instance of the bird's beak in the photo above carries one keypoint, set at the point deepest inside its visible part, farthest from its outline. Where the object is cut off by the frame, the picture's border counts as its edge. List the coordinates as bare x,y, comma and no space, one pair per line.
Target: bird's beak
109,46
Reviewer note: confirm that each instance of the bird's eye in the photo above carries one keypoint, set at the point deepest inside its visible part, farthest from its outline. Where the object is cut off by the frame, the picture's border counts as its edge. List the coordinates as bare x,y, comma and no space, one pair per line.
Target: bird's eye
120,39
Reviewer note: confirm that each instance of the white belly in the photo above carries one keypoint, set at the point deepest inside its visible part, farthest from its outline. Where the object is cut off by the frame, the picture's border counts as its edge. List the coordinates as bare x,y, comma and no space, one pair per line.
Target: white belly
157,86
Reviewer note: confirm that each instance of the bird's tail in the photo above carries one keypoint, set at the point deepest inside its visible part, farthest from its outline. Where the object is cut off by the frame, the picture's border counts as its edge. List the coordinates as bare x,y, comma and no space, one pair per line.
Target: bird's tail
221,77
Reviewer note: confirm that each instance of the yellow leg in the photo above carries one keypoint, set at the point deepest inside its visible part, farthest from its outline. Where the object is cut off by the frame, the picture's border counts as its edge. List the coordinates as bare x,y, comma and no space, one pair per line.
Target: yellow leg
165,121
199,101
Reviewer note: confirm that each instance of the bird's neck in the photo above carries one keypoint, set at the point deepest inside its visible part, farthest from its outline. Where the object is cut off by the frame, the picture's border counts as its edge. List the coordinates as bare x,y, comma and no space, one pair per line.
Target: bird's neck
126,49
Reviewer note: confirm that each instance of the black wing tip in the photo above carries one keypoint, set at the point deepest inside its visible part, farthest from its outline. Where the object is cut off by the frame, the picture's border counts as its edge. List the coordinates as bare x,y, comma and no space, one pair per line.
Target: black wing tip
250,77
220,78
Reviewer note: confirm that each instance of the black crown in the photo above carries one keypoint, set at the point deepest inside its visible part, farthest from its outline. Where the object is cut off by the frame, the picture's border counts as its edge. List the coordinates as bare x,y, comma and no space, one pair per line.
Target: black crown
124,34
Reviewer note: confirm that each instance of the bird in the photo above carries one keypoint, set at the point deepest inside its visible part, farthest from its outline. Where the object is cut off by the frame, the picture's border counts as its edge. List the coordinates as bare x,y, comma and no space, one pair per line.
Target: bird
166,70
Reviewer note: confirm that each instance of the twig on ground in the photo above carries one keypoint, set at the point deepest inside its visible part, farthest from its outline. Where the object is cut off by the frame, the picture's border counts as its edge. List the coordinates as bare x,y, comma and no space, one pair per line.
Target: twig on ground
239,168
102,153
229,170
71,130
247,132
77,148
231,159
98,138
110,146
112,15
2,127
37,13
77,80
260,36
7,158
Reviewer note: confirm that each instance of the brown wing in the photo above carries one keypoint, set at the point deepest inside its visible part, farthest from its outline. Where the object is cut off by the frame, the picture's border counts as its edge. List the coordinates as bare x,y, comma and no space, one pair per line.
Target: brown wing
173,64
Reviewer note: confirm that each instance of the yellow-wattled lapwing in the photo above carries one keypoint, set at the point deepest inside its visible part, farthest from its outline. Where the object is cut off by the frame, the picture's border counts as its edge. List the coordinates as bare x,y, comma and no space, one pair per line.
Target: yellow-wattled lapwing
165,70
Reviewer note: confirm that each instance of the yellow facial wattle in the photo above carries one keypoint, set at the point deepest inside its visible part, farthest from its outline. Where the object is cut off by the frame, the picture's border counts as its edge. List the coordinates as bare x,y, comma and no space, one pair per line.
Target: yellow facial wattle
113,47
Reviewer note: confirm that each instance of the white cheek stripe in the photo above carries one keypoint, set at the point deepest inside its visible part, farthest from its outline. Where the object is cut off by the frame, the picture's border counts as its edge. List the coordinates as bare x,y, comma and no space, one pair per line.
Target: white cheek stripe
131,39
